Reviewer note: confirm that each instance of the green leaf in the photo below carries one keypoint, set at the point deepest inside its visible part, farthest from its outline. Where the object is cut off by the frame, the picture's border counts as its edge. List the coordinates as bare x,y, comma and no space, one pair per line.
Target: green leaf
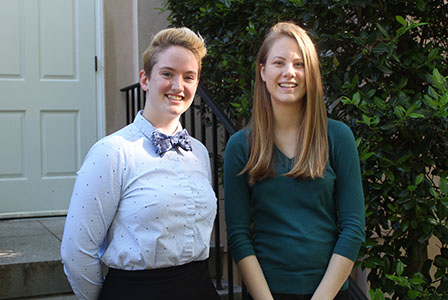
433,192
433,93
380,103
417,116
416,280
433,54
421,5
403,82
366,156
380,48
404,225
413,294
399,268
382,30
365,119
437,79
385,69
393,277
444,185
370,243
399,111
346,100
404,158
356,98
441,262
419,178
376,294
440,273
401,20
401,31
336,62
298,2
390,175
370,93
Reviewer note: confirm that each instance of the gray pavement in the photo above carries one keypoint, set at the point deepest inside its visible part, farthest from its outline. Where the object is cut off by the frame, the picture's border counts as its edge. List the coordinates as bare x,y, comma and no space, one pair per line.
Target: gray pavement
30,260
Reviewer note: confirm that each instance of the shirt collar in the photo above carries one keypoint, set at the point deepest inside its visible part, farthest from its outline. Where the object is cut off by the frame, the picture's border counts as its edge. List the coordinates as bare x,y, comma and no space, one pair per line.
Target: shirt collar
146,127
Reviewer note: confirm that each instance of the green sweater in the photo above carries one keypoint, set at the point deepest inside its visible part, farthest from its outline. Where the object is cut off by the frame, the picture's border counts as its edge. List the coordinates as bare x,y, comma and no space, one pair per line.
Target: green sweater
298,223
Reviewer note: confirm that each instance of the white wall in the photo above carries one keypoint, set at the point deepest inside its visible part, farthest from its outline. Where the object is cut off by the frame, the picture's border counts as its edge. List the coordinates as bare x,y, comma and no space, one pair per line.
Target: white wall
150,21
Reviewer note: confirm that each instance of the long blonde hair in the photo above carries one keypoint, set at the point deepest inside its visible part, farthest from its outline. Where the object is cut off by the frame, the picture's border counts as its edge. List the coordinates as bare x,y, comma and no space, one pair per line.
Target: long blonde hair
312,151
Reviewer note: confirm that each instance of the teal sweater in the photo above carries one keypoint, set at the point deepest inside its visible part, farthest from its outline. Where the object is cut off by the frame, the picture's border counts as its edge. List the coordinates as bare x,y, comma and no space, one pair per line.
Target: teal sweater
299,223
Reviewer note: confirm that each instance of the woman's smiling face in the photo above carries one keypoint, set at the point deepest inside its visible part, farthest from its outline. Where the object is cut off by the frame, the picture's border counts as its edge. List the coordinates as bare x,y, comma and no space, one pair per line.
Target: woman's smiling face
284,72
172,83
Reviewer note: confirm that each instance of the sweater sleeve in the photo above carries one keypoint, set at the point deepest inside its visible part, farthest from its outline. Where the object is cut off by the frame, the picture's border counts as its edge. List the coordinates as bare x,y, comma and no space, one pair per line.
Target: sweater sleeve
237,198
348,192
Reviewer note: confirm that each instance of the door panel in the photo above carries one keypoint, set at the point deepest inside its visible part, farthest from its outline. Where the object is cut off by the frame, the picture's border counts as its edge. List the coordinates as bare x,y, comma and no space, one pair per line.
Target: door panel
48,114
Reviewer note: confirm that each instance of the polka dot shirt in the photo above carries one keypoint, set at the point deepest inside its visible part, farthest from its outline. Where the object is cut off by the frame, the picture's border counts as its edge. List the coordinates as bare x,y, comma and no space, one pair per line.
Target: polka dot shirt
132,209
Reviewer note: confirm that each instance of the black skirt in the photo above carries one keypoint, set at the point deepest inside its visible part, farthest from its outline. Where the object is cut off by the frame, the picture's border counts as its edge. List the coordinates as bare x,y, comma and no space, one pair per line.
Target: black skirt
189,282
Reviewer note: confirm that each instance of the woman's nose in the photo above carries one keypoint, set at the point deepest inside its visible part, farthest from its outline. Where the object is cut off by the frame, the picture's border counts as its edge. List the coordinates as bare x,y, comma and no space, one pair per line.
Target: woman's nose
177,84
289,70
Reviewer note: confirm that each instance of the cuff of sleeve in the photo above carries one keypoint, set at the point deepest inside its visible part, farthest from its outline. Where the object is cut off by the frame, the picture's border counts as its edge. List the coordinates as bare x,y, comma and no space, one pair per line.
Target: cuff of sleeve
349,250
241,253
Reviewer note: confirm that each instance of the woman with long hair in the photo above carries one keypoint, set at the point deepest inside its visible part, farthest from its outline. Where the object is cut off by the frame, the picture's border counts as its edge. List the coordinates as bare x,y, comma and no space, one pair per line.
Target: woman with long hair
293,193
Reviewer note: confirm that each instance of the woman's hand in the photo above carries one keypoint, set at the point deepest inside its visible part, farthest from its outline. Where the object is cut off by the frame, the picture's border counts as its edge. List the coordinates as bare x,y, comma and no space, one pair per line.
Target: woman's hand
254,278
336,274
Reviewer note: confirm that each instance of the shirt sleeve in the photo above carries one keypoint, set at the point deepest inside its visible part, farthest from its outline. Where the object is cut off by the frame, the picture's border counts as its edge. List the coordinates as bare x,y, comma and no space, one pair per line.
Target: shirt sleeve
348,193
237,198
94,201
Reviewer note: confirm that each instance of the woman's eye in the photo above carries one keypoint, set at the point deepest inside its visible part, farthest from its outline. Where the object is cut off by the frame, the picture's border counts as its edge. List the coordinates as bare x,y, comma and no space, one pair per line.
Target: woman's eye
166,74
189,78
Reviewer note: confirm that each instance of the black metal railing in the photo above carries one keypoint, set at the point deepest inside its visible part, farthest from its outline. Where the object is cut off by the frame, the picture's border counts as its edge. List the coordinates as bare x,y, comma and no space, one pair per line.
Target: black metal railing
204,119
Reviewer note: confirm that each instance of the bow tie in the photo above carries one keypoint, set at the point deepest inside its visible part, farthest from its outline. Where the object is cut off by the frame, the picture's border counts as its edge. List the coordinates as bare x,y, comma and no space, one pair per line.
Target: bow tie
165,142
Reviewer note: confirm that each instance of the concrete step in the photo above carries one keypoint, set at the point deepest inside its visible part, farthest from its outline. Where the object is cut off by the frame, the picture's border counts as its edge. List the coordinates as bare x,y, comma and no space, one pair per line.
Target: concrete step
30,261
224,293
69,296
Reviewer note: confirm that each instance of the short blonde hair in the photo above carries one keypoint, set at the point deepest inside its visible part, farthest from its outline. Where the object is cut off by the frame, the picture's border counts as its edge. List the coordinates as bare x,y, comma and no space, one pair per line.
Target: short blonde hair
166,38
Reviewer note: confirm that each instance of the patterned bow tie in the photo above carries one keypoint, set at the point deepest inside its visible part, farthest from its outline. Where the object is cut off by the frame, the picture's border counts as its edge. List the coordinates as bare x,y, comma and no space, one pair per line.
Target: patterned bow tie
165,142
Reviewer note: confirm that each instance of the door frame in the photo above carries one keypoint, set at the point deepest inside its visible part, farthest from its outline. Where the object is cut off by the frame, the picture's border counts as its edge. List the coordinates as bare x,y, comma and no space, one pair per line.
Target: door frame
100,76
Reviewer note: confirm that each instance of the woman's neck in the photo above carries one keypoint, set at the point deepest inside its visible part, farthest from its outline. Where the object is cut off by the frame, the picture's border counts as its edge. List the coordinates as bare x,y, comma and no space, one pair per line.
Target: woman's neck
167,126
286,129
286,117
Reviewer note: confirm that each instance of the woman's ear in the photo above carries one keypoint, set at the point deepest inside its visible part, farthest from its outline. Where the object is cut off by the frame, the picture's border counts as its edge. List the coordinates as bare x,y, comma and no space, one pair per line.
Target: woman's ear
262,72
143,80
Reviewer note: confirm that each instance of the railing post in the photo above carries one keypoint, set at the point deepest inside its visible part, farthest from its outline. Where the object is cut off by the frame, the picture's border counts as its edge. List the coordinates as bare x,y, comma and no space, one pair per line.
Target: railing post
203,125
216,188
192,119
128,120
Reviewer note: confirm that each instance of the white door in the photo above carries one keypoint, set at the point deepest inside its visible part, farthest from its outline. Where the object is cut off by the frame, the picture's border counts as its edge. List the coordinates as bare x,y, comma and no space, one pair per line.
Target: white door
48,117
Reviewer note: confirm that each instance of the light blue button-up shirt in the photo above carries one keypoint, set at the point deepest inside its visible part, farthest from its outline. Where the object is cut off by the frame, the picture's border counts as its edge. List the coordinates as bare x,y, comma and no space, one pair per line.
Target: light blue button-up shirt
132,209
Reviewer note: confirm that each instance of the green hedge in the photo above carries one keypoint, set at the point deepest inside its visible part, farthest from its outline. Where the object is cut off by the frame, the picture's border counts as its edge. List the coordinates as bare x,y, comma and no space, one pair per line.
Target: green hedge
384,66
